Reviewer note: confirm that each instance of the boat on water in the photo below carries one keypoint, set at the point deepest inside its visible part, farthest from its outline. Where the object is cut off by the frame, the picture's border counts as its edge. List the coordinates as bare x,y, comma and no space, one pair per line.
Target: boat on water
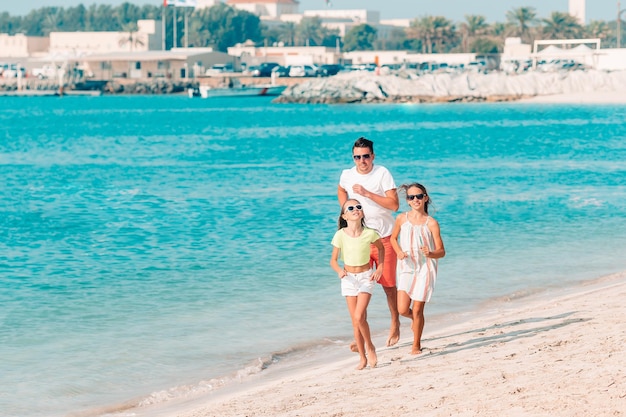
233,88
245,90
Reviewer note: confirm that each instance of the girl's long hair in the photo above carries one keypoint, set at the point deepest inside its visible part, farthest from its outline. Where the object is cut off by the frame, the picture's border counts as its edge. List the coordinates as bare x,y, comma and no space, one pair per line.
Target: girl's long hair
405,187
343,222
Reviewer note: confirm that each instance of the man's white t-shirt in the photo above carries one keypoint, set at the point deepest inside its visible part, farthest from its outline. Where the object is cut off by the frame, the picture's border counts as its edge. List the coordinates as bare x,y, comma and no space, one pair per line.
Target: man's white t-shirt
377,181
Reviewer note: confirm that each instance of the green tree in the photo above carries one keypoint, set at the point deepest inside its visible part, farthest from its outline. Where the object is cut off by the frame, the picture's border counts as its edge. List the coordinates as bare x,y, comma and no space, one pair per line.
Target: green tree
522,19
422,30
598,29
222,26
561,26
484,46
474,25
126,13
309,31
75,19
288,33
199,35
445,34
130,36
52,22
360,38
397,40
434,33
9,24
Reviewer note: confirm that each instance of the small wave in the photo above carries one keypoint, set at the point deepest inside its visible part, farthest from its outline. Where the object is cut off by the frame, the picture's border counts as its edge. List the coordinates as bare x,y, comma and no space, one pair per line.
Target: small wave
207,386
248,371
579,202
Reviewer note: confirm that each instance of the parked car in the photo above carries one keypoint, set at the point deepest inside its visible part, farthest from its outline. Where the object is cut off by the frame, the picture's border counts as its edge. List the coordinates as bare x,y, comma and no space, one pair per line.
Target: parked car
46,71
281,71
249,70
12,70
477,66
219,69
364,67
265,69
303,71
327,70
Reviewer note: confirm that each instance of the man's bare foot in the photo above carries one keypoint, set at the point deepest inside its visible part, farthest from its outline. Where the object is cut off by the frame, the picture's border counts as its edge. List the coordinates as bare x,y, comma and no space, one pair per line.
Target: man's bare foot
416,350
372,358
394,336
362,364
353,347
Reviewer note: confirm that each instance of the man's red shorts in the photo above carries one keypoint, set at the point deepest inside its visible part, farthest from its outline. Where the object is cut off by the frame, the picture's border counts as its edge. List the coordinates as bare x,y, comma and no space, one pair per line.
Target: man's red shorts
388,279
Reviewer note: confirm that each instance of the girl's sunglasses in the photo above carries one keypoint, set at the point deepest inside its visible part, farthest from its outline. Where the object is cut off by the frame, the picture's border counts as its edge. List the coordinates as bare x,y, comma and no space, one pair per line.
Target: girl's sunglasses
352,208
418,196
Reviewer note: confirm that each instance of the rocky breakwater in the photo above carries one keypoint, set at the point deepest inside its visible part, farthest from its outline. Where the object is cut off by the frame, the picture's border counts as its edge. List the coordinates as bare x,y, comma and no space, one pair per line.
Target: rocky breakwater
367,87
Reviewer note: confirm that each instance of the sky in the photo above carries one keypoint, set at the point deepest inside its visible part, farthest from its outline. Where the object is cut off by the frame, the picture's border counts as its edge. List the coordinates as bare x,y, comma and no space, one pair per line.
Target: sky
455,10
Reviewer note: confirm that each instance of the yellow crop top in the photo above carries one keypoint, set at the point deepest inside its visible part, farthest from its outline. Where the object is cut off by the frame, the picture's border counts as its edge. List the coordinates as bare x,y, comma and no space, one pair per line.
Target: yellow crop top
355,251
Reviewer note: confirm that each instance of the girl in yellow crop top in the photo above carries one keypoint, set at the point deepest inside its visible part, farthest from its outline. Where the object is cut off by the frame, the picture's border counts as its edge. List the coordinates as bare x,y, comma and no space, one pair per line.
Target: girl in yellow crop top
352,242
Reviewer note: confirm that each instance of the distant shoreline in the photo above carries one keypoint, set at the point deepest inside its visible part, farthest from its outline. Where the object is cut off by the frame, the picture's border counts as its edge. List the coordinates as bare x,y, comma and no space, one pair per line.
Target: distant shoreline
577,87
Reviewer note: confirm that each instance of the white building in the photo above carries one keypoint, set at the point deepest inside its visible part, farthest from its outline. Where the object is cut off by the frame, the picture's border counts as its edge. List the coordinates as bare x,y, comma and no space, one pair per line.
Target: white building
269,8
202,4
577,9
285,55
22,46
354,15
147,38
176,64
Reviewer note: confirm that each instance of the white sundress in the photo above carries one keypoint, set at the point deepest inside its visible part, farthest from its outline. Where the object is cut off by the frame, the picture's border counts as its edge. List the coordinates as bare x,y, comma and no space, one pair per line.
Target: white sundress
416,274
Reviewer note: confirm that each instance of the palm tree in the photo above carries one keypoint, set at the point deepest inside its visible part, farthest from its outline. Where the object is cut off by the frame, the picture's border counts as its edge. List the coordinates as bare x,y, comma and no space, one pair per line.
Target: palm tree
310,31
131,36
423,30
522,18
598,29
288,33
562,26
474,25
52,21
445,33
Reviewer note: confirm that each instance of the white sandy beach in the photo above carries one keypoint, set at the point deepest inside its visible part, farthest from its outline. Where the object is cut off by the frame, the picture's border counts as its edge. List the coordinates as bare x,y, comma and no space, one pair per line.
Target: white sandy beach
557,353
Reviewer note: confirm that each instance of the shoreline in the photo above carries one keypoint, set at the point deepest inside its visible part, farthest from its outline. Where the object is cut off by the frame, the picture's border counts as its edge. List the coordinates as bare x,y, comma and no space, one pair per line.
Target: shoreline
491,361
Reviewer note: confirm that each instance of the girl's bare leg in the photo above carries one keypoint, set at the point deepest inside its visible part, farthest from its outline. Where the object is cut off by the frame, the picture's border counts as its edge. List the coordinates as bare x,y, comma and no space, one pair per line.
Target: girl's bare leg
404,305
358,337
363,300
418,327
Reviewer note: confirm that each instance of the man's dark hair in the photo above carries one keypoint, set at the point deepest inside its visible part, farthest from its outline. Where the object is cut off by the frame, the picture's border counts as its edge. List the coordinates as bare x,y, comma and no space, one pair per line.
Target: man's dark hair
362,142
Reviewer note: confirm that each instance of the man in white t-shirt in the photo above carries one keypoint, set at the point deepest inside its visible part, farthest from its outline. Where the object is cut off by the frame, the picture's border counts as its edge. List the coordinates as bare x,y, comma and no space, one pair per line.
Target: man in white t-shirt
375,189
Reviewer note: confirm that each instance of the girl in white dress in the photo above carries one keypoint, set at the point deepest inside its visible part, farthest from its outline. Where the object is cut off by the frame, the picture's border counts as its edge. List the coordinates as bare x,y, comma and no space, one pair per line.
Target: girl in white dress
416,239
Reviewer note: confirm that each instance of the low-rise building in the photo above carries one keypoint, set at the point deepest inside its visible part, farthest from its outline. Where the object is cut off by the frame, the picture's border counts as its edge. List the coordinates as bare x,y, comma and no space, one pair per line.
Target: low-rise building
148,37
285,55
176,64
269,8
22,46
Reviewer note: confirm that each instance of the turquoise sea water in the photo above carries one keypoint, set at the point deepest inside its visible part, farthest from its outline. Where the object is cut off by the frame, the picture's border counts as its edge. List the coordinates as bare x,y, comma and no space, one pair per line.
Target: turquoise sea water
157,246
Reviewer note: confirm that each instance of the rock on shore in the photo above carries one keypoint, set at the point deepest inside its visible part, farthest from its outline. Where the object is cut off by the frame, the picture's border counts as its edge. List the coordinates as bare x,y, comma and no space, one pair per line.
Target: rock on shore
367,87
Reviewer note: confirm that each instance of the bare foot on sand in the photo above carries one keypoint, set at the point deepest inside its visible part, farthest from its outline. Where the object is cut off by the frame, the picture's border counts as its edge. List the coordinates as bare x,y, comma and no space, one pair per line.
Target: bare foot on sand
372,358
353,347
362,364
394,336
416,350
